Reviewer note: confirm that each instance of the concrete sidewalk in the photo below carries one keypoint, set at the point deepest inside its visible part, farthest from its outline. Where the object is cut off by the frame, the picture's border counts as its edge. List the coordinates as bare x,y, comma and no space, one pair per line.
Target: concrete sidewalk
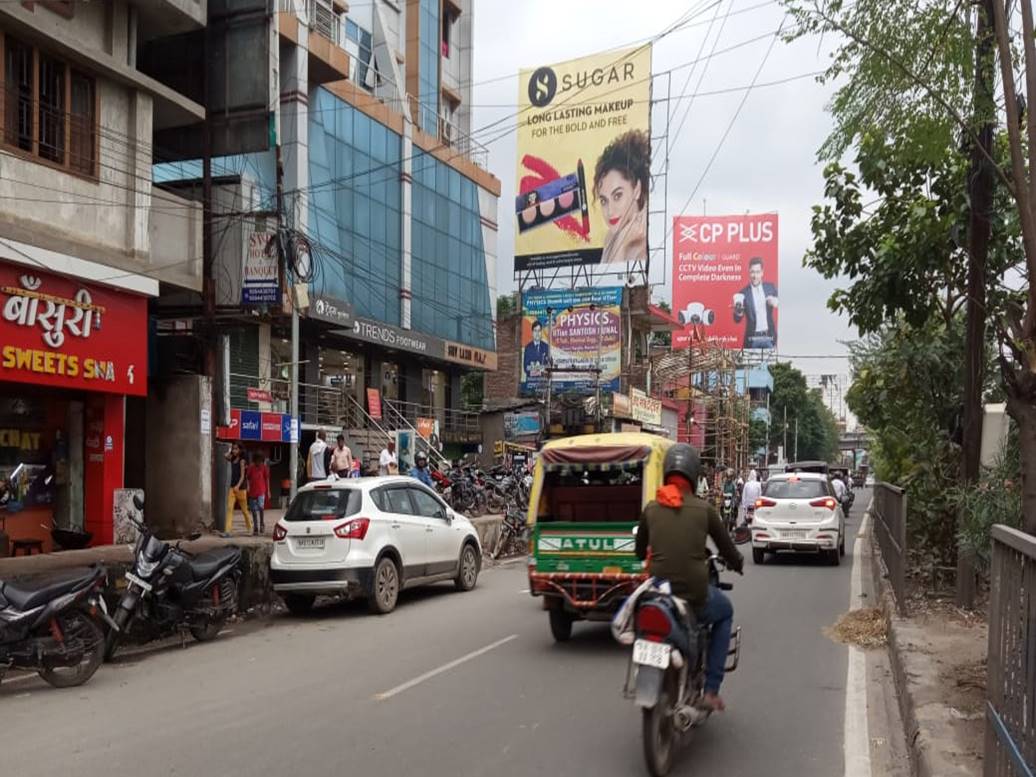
938,658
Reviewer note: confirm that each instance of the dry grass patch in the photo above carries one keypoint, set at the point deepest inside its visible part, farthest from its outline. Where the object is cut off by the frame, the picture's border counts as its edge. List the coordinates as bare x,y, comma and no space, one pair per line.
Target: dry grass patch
864,628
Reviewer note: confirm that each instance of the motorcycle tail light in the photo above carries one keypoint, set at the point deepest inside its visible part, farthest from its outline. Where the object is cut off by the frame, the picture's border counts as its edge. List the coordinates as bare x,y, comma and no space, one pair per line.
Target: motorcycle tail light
828,502
653,623
279,533
356,529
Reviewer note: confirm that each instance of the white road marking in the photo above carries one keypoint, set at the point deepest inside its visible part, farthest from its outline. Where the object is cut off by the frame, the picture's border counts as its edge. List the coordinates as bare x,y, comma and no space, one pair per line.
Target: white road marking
857,737
444,668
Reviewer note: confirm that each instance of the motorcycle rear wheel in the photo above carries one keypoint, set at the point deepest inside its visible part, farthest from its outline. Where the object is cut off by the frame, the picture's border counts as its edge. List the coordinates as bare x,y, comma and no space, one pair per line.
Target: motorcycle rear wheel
208,629
79,626
659,734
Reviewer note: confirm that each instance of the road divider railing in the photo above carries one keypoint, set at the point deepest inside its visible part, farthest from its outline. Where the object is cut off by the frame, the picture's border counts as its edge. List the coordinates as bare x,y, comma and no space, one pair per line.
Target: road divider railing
889,513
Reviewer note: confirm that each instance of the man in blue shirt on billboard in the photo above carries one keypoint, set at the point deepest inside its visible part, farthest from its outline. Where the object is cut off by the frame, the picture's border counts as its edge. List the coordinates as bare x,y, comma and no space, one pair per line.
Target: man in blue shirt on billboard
537,353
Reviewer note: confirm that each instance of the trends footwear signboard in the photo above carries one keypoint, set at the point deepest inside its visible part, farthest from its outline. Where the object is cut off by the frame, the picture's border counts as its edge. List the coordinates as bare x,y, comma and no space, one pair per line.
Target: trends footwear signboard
390,336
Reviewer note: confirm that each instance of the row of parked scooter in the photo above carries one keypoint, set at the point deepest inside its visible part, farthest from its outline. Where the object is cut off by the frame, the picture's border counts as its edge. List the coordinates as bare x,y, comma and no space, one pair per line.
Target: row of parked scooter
63,628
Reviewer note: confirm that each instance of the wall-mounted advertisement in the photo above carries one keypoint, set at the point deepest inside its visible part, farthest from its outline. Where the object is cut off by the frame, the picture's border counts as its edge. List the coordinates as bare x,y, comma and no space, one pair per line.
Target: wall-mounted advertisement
571,329
584,162
725,279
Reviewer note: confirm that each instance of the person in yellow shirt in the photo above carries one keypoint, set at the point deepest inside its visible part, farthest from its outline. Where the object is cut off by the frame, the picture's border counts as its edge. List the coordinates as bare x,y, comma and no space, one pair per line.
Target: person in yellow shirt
238,492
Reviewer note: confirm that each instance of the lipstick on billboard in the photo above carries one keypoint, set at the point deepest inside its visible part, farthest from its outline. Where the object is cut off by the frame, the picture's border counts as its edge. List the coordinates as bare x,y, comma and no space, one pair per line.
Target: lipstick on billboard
585,206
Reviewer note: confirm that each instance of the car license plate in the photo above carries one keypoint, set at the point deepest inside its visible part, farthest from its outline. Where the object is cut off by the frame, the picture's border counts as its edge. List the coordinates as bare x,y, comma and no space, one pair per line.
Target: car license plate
316,543
649,653
794,534
142,583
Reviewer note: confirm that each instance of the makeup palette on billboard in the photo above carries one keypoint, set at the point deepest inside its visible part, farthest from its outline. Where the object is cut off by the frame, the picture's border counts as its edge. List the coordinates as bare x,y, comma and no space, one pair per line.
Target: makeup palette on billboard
584,161
725,278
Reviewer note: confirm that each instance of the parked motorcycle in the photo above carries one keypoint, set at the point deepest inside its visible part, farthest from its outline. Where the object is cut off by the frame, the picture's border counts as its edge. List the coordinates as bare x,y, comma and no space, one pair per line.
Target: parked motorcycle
514,535
169,590
53,626
666,671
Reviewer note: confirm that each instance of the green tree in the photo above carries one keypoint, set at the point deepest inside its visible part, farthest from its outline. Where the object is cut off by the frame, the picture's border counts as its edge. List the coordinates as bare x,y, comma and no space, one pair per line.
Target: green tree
506,306
663,338
816,426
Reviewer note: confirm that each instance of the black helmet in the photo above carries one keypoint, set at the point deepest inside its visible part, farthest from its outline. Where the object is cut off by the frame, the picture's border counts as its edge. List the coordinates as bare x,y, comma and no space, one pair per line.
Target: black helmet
682,459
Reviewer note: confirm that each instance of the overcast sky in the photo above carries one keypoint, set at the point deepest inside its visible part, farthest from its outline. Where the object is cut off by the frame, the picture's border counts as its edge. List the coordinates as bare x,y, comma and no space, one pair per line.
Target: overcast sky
767,163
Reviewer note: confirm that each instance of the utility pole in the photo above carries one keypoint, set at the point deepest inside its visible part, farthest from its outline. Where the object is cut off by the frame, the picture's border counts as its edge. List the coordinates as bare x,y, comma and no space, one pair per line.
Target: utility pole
550,365
785,431
981,180
796,438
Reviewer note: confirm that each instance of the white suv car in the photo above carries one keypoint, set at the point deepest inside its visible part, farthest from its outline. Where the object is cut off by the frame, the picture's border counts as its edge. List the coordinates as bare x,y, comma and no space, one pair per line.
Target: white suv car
798,512
369,537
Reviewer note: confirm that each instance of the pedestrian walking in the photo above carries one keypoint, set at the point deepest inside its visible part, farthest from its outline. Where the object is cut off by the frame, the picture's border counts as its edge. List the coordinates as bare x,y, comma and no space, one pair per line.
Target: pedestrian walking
258,476
341,459
237,494
387,462
316,460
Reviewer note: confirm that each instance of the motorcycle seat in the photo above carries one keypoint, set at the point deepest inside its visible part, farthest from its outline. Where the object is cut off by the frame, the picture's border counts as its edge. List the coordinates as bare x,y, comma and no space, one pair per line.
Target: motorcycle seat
28,594
206,564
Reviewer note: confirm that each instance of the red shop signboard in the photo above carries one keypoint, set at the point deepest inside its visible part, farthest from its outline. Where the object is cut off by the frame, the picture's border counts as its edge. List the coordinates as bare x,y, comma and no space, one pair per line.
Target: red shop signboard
60,332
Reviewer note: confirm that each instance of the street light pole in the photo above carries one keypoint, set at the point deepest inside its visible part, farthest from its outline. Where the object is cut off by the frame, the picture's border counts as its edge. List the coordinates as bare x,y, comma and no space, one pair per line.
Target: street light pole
796,438
293,457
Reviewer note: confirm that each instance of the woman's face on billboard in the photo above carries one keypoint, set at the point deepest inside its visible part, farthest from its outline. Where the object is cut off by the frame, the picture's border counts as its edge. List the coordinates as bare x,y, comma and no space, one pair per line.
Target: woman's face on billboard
617,196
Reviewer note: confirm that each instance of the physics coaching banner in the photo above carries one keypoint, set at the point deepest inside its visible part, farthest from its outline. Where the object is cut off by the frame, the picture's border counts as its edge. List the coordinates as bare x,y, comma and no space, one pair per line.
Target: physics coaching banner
725,276
584,162
571,328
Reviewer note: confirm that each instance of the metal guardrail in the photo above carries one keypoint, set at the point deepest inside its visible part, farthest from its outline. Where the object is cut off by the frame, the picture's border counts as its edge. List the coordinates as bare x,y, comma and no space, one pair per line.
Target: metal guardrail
336,407
1010,749
889,512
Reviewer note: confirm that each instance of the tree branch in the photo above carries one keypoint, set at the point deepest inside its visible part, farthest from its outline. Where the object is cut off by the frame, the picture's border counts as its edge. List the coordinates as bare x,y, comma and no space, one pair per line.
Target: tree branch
954,113
1021,190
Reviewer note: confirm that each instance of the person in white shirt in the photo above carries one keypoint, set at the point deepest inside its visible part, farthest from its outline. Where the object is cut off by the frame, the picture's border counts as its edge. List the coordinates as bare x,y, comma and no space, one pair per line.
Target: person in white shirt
753,490
387,461
316,465
839,488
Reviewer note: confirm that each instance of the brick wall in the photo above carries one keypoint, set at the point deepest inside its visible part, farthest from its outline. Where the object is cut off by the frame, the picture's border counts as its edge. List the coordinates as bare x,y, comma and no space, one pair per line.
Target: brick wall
503,383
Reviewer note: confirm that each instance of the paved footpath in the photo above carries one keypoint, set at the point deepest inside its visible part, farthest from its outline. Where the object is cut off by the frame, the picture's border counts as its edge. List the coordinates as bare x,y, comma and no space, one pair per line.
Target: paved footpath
459,684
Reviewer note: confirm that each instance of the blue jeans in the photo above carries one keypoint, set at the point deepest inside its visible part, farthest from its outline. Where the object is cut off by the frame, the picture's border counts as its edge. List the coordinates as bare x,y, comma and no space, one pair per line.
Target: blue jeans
255,507
719,613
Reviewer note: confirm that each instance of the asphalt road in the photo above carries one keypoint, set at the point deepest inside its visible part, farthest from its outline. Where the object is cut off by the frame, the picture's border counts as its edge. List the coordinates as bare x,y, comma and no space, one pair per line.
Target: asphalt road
343,692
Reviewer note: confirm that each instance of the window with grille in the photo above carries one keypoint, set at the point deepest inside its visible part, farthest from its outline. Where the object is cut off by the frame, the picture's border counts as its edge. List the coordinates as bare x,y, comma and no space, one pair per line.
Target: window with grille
49,108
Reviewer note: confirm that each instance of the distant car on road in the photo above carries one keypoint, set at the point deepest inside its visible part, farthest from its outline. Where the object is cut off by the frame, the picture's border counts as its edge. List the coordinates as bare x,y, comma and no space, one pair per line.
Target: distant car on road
371,538
869,482
798,512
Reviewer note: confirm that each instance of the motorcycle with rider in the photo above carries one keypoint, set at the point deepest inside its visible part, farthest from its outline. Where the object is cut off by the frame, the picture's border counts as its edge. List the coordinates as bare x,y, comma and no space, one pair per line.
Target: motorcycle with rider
679,621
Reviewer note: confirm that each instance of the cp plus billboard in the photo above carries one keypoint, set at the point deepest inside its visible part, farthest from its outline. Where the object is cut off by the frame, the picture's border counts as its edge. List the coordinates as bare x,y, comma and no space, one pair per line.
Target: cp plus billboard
584,161
571,328
725,277
56,331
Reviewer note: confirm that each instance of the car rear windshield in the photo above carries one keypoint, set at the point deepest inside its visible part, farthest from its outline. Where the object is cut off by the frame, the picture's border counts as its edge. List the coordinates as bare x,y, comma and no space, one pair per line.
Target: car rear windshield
795,489
326,505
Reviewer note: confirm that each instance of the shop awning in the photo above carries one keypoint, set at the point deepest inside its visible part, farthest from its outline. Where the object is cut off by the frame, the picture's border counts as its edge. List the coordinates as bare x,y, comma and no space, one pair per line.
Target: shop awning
601,458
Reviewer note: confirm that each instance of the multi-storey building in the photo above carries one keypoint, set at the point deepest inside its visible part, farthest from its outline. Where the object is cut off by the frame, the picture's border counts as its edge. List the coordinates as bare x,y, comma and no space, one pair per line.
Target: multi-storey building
384,192
87,242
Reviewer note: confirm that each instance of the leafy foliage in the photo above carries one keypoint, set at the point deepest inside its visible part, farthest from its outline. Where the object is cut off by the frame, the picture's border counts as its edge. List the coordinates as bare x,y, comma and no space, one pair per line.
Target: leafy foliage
907,392
996,498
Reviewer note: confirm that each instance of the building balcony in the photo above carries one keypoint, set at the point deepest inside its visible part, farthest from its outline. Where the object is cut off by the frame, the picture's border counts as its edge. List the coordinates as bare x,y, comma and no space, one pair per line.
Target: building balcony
175,240
328,59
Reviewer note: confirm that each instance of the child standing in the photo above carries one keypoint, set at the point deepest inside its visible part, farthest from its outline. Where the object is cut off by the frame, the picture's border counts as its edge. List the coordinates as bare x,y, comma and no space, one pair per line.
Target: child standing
258,477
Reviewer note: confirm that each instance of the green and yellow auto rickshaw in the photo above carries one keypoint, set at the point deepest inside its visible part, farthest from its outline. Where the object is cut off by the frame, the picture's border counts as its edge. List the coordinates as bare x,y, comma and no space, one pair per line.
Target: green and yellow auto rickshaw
587,496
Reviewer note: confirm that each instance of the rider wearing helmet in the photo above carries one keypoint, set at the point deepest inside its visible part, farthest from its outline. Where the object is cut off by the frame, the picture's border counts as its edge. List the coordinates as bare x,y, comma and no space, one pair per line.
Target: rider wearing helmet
420,470
672,536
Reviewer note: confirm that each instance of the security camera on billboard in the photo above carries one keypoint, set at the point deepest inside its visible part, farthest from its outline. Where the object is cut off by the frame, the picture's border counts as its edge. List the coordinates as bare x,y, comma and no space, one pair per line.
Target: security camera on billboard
725,276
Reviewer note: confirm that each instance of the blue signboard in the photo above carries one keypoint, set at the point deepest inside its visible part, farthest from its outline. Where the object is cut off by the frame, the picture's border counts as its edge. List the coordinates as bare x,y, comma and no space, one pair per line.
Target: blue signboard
251,426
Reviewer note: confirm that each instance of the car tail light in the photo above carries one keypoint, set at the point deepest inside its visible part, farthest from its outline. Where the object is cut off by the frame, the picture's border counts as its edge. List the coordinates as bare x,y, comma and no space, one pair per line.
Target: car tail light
765,503
279,533
653,623
356,529
828,502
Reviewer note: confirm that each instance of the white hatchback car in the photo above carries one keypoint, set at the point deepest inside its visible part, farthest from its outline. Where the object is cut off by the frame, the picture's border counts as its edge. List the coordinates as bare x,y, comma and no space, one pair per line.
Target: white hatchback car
798,512
370,537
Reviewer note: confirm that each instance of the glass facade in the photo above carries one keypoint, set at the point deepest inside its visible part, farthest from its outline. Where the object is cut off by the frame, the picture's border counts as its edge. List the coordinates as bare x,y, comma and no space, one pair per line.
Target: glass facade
451,290
428,74
355,199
